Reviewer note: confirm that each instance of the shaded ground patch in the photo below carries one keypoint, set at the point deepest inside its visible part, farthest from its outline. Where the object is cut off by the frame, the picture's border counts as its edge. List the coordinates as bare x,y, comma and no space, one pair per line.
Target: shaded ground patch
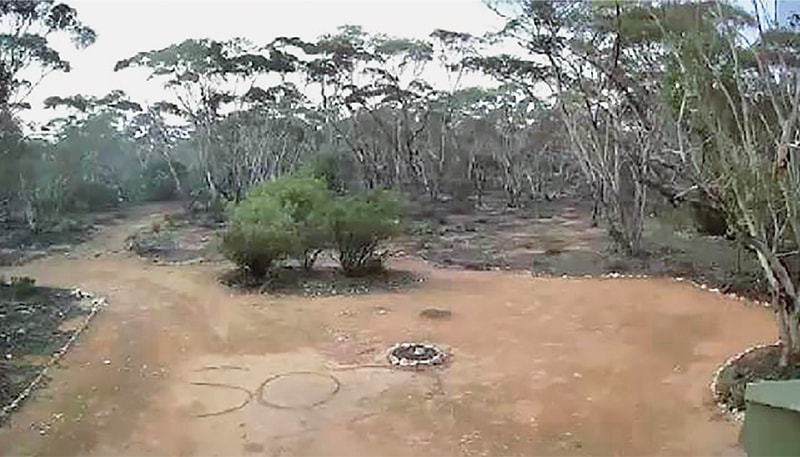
19,244
758,365
33,326
557,238
177,237
320,282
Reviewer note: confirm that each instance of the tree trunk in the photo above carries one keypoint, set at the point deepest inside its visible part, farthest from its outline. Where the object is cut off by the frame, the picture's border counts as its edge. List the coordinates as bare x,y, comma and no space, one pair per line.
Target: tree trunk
175,177
597,203
784,301
793,352
788,331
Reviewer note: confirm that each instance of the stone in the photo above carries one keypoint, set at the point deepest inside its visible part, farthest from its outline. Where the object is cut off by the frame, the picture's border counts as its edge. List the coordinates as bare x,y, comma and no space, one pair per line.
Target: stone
60,248
381,311
436,313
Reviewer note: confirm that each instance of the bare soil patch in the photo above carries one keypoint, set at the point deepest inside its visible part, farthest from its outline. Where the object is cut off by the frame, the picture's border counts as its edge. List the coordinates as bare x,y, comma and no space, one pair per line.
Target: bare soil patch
177,236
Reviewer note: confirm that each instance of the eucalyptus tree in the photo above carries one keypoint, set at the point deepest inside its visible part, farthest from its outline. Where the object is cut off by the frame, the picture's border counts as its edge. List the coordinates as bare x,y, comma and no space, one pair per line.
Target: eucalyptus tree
94,163
155,141
442,159
209,78
683,99
736,103
579,58
26,57
273,135
374,101
331,66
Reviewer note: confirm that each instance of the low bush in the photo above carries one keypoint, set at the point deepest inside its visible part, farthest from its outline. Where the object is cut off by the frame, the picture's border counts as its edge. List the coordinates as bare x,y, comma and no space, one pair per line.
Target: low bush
359,224
260,233
306,201
20,287
285,217
213,208
708,221
298,217
91,196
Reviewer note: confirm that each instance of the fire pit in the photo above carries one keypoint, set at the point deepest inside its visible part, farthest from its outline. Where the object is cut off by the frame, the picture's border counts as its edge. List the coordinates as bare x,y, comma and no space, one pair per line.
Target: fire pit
415,355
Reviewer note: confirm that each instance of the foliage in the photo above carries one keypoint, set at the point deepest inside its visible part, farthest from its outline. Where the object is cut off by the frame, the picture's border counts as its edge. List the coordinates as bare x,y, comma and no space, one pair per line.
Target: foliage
330,168
306,202
24,47
696,100
253,146
285,217
233,151
93,196
738,105
297,216
708,220
156,183
26,57
20,287
92,161
359,224
260,233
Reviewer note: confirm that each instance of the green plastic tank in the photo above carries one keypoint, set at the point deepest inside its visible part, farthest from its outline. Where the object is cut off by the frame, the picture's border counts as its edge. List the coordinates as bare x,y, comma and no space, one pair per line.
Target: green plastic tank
772,419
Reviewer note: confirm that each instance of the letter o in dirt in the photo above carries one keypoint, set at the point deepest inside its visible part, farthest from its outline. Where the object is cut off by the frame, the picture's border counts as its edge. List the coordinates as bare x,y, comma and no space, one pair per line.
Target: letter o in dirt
297,390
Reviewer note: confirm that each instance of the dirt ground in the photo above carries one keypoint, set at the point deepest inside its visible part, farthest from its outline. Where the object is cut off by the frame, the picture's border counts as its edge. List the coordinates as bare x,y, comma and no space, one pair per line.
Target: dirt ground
558,238
176,365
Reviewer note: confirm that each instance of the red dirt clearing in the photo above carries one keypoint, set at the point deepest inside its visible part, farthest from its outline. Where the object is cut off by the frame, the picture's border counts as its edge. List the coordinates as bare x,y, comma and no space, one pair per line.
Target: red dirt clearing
539,366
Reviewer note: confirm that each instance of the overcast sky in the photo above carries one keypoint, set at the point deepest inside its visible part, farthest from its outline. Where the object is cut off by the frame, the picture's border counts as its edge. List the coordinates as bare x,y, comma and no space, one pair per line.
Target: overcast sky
125,27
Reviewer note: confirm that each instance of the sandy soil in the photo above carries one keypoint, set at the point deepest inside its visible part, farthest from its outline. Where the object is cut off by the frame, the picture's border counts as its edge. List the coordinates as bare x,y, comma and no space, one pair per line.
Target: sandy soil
175,366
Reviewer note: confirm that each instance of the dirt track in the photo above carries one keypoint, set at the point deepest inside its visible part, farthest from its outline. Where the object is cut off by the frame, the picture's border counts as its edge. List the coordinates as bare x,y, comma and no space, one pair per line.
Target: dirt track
540,366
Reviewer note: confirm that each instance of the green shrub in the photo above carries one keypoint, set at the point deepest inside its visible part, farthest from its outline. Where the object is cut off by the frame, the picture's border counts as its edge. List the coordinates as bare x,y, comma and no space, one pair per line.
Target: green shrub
359,224
306,200
285,217
90,196
22,286
709,221
201,201
296,216
259,234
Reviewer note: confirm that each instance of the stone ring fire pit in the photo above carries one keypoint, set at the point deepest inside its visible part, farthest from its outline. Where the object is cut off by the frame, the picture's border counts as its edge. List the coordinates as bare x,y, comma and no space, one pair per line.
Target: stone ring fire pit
415,355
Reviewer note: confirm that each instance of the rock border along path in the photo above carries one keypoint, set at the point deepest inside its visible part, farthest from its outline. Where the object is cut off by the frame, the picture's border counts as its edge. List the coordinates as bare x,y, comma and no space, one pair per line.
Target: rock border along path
95,305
